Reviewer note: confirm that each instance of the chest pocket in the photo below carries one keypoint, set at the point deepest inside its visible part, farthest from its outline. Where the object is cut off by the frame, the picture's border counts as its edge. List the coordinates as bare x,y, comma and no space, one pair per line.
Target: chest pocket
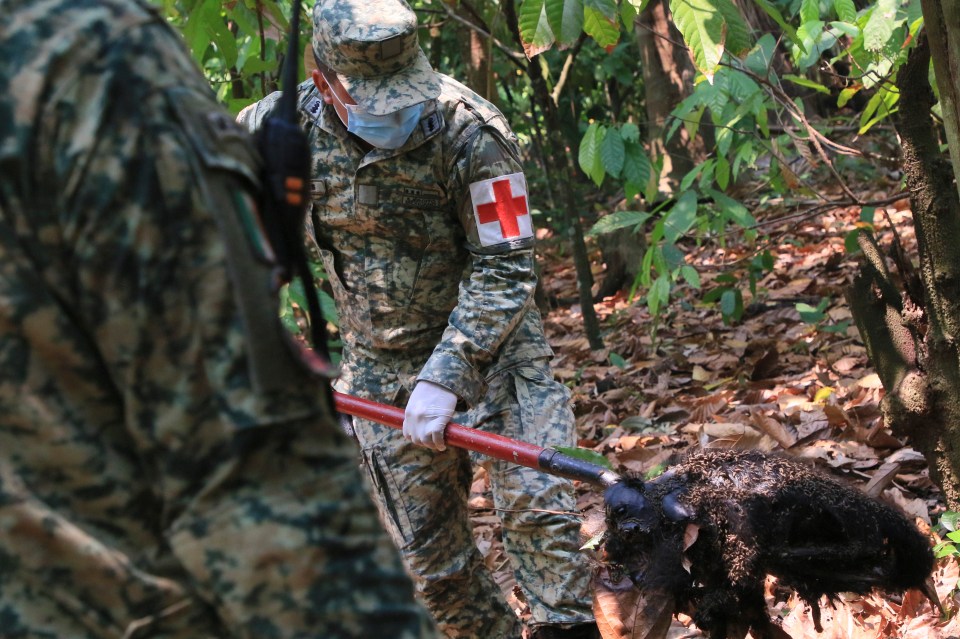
412,262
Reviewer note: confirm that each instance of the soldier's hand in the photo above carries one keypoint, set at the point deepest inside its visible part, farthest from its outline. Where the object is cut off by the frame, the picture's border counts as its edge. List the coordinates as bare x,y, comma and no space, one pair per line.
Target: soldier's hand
427,414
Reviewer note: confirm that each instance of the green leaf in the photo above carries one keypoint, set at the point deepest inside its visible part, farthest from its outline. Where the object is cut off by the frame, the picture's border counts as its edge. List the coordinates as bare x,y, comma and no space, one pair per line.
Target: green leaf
881,105
618,361
806,82
616,221
585,454
950,520
846,10
630,132
630,10
691,275
944,550
722,173
612,153
732,209
880,25
809,314
566,20
681,217
731,304
636,168
850,243
809,11
704,30
589,155
600,21
659,294
846,95
535,28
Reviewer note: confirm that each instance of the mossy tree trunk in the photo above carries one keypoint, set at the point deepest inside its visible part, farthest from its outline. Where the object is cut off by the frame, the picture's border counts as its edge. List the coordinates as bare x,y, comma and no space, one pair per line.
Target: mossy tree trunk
910,322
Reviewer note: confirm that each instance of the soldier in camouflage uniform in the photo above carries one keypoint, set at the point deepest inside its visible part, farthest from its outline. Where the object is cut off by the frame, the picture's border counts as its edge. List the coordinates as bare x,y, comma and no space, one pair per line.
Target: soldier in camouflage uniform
421,217
168,470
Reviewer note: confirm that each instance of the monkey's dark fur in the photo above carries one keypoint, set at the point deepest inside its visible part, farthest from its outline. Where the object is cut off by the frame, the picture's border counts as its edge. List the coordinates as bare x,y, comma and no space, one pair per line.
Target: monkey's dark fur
755,515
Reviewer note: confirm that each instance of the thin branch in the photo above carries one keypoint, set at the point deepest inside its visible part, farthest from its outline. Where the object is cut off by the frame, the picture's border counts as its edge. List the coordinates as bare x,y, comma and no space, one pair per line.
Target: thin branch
518,59
567,65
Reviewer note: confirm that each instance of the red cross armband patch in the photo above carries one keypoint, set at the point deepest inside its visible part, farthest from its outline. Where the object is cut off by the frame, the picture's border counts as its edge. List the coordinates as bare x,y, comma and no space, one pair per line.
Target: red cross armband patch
500,209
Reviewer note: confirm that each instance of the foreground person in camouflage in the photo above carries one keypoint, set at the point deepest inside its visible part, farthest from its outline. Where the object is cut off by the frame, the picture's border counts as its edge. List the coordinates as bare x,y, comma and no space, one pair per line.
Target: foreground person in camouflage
421,216
167,469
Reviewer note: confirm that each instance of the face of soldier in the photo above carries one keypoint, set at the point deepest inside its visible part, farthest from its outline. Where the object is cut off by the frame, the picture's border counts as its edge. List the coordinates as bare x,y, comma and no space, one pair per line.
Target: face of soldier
333,93
388,131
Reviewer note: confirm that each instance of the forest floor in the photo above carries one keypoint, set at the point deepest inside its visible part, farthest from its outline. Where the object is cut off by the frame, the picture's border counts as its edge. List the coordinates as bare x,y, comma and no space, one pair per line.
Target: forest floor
772,382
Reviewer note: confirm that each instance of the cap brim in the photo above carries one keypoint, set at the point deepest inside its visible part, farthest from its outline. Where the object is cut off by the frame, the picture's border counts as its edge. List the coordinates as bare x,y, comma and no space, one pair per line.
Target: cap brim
379,96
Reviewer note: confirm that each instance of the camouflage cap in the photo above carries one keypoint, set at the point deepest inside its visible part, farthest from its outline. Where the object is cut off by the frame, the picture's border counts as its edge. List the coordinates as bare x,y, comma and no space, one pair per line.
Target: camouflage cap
372,46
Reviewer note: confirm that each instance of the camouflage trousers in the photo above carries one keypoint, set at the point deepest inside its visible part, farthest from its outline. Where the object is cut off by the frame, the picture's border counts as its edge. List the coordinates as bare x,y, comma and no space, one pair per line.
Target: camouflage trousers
423,497
281,543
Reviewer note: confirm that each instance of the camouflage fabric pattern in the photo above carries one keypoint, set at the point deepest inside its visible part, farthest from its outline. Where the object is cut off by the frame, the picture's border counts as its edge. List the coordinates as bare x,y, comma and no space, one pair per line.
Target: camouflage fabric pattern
167,469
372,45
419,298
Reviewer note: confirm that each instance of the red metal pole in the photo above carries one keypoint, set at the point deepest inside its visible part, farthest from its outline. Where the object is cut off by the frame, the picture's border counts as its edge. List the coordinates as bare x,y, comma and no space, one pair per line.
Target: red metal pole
490,444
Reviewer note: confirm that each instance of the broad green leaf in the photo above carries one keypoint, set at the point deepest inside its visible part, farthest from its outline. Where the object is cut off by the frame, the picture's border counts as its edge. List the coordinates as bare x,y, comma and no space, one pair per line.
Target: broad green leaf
809,314
881,105
846,10
636,166
950,520
809,11
629,10
731,303
659,294
880,25
691,275
722,172
806,82
600,21
223,39
616,221
612,153
589,155
618,361
535,28
681,217
566,20
704,30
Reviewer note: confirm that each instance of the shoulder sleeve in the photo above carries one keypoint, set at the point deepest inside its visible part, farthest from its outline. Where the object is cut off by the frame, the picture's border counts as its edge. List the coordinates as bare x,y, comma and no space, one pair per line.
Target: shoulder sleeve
493,202
497,290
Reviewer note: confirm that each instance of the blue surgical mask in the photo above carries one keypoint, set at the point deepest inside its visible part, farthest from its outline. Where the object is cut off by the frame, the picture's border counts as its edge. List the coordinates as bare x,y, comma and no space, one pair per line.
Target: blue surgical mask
388,131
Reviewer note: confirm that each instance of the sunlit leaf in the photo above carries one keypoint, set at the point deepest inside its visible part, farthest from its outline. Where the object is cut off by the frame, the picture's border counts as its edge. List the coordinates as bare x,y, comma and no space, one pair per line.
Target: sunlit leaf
566,20
535,28
600,21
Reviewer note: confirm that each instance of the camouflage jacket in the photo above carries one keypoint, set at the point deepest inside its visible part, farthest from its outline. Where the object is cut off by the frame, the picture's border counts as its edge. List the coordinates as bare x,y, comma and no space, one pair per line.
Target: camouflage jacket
420,289
128,359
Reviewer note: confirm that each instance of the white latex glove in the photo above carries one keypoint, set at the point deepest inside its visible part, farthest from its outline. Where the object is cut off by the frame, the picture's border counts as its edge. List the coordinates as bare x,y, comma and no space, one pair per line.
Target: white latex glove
427,414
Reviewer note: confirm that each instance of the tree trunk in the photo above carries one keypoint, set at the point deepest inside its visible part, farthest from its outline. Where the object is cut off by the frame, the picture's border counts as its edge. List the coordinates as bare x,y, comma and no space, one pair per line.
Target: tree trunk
912,330
560,164
668,74
475,52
